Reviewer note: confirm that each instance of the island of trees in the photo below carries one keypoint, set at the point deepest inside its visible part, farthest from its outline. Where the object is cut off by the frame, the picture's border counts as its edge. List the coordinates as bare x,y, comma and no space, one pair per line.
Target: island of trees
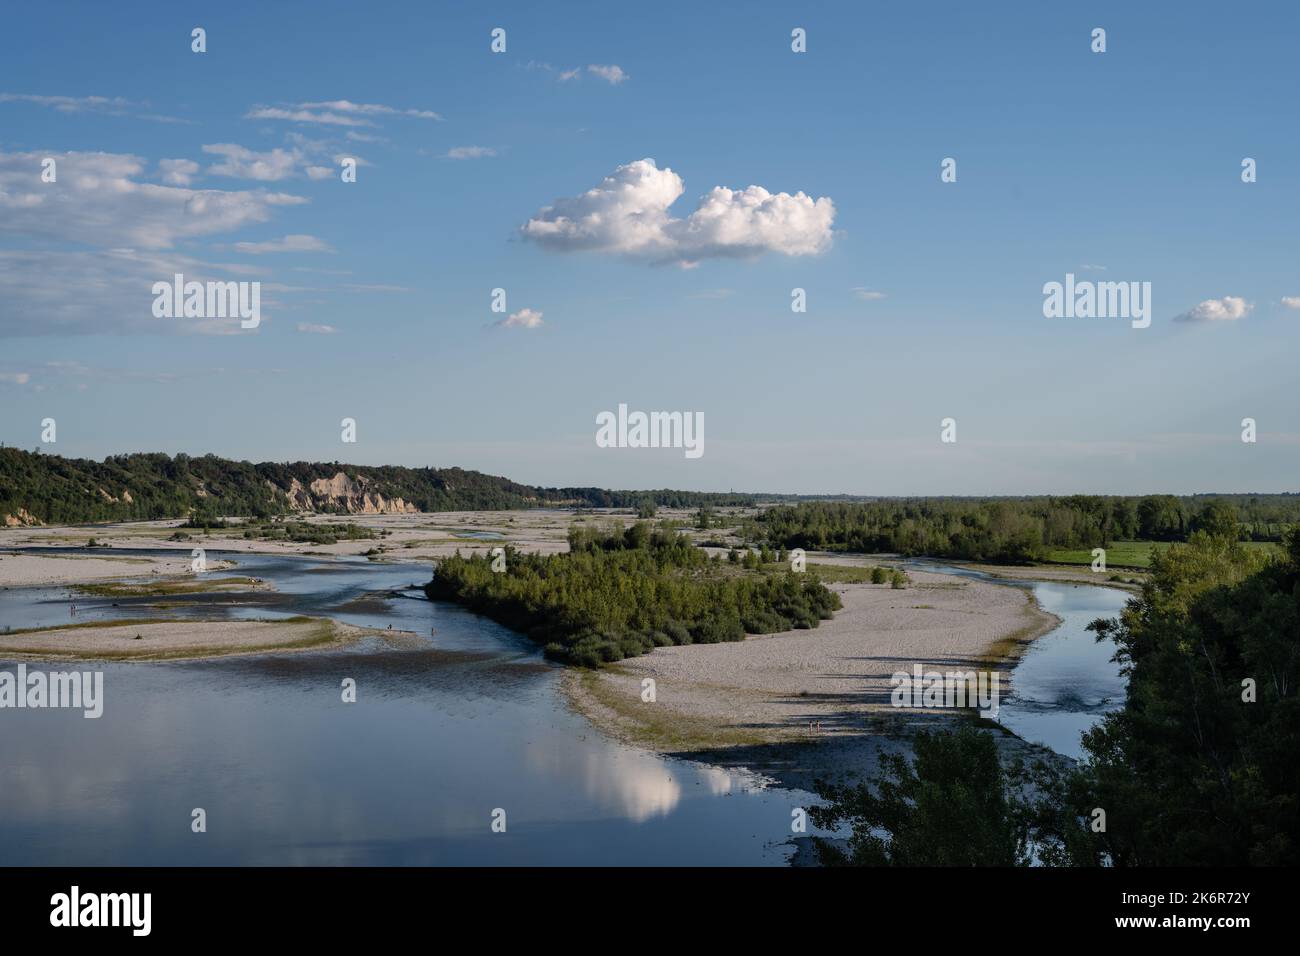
621,592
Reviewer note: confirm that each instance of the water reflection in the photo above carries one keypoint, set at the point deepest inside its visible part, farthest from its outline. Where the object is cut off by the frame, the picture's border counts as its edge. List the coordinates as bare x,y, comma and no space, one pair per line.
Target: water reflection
440,736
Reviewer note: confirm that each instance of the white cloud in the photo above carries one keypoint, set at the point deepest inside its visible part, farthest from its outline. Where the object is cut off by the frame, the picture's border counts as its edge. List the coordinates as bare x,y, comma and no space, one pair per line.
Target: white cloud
612,74
1291,301
177,172
335,113
1228,309
570,74
867,295
297,243
627,214
368,109
241,162
98,201
523,319
319,172
15,378
1093,267
98,292
469,152
105,105
311,328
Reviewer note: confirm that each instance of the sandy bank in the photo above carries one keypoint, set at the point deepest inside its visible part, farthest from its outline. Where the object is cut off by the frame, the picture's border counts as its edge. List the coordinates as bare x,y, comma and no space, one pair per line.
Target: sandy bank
750,703
21,570
171,640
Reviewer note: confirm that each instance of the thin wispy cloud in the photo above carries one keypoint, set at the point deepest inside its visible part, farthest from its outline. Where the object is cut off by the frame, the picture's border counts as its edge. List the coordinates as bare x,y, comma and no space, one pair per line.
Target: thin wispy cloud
1291,301
102,202
867,295
298,243
102,105
311,328
336,113
469,152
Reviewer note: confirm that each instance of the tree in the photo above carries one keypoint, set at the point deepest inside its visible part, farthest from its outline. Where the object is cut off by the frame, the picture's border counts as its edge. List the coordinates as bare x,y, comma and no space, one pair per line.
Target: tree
950,806
1199,767
1218,519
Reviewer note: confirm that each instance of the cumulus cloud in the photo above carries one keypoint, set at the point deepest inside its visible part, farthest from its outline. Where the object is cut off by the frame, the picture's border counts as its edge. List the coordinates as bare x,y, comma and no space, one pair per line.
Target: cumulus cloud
287,244
177,172
310,328
611,74
627,214
240,162
469,152
1291,301
523,319
1228,309
98,201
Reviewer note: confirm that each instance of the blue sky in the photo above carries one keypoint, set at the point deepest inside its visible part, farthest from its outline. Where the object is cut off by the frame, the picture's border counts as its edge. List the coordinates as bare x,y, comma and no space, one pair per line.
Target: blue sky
924,298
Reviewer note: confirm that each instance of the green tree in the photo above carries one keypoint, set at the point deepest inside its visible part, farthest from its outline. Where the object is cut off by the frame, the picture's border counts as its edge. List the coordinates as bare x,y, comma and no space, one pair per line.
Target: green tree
951,806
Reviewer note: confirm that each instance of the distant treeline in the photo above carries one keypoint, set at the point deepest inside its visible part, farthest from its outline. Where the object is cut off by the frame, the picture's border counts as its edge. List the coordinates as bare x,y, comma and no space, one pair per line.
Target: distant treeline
1020,529
151,485
621,593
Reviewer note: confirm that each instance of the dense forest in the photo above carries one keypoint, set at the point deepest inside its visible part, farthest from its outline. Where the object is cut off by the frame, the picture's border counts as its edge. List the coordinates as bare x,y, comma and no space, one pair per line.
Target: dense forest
58,490
1197,769
620,593
1020,529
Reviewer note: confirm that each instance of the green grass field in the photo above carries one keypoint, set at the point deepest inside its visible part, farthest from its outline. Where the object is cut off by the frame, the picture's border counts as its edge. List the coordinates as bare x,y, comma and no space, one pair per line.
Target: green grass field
1128,554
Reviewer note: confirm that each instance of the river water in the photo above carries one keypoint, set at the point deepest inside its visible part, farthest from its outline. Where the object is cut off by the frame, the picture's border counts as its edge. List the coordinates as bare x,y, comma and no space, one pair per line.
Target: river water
1066,681
440,739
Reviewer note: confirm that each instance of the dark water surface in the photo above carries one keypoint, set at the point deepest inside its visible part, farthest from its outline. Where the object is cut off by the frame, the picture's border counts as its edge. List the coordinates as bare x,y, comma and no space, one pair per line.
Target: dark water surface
438,739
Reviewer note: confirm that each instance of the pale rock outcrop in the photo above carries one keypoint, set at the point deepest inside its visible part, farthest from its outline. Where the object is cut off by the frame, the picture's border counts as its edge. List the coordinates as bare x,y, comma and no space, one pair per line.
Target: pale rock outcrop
22,519
342,493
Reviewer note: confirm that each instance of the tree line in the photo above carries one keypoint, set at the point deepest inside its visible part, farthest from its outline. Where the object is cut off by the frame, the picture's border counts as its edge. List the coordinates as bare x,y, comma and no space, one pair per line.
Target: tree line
150,486
1018,530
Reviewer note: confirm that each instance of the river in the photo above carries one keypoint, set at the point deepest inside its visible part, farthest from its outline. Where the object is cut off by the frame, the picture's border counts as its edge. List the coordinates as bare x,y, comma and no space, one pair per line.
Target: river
440,739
